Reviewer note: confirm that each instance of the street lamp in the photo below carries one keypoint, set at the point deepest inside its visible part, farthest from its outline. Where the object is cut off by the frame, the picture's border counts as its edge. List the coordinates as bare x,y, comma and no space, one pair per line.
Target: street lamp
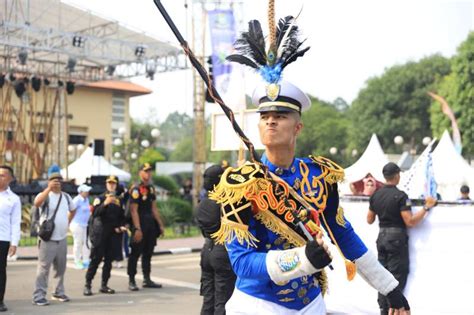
145,143
333,151
121,131
355,152
398,140
117,155
118,141
155,133
426,140
133,156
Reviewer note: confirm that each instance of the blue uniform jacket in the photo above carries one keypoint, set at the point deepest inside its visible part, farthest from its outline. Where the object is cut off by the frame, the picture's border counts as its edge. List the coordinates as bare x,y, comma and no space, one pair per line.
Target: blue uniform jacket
248,254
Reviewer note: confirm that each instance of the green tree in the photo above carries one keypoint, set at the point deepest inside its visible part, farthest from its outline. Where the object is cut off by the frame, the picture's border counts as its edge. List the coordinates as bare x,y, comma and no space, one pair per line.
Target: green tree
183,152
324,127
396,103
175,127
458,90
151,156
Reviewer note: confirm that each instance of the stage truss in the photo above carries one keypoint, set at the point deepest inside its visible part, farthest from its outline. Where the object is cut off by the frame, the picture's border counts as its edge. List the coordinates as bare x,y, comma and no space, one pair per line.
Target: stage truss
59,45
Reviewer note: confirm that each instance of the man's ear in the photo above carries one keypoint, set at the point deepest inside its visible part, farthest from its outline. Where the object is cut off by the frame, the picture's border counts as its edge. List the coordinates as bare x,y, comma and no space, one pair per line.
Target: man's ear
299,127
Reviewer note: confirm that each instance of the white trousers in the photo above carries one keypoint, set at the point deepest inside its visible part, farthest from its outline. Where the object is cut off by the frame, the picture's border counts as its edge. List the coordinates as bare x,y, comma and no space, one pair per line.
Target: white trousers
80,251
241,303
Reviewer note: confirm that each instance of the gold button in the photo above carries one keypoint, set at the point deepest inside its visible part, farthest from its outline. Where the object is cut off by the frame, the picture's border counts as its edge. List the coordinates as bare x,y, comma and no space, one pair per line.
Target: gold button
306,300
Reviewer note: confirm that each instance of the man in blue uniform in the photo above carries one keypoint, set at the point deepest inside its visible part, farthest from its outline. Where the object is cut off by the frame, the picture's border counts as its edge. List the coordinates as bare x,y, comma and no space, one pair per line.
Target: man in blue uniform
278,270
274,212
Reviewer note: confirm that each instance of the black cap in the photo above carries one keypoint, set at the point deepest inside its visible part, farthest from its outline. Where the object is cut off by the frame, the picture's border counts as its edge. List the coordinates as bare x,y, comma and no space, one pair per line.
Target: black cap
464,189
212,176
390,169
146,167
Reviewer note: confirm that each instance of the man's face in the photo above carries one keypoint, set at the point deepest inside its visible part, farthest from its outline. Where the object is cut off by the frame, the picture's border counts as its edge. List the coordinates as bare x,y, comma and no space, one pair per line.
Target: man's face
5,178
145,175
85,194
279,129
111,186
55,184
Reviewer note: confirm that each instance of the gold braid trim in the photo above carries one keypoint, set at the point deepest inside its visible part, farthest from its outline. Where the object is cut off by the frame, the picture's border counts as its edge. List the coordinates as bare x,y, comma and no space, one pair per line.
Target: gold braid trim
226,193
271,24
351,267
323,281
340,217
274,224
335,173
231,230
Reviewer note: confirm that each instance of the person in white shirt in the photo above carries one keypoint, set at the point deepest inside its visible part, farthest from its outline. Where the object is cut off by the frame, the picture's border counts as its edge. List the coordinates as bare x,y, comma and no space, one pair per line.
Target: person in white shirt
54,251
10,220
78,227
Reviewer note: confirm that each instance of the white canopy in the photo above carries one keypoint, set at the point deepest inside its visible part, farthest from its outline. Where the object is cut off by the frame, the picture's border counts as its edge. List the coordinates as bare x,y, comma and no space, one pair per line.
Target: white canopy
450,169
88,165
372,161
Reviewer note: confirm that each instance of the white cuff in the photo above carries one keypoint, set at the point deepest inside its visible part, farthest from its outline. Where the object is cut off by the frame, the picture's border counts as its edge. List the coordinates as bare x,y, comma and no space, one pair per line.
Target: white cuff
369,268
284,265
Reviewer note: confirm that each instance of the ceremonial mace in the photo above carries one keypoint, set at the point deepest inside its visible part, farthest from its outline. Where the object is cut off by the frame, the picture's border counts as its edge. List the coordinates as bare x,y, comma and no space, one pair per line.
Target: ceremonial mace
228,112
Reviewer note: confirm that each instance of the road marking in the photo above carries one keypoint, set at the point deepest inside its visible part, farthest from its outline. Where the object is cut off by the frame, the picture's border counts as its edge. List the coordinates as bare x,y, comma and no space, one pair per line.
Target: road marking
176,261
166,281
184,267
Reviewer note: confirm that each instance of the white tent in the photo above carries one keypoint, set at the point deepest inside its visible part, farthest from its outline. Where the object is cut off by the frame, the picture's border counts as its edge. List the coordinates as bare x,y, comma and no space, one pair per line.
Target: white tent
450,170
372,161
88,165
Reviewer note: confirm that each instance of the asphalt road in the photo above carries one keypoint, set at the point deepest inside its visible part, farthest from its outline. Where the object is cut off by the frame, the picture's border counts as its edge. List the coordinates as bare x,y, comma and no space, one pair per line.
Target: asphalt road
178,273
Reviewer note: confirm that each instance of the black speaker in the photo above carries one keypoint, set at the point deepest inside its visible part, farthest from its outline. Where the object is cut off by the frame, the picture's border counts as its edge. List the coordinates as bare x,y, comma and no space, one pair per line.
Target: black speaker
99,147
98,179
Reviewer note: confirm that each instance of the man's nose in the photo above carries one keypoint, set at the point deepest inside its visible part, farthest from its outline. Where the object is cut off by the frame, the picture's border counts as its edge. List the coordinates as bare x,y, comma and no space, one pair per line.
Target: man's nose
271,121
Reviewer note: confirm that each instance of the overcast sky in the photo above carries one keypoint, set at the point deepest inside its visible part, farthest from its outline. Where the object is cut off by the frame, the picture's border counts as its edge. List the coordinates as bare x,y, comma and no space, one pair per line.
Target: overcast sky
350,41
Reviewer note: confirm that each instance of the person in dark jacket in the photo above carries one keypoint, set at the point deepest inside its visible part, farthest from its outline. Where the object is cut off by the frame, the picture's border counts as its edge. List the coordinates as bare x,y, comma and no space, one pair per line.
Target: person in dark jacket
106,226
217,276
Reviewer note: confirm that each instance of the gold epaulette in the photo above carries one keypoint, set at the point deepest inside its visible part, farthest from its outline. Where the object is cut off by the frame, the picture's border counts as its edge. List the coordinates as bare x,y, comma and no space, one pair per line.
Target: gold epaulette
333,172
235,183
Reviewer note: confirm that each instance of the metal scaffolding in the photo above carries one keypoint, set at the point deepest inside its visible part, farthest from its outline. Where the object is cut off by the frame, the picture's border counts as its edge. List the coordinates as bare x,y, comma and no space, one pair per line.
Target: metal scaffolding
53,39
47,46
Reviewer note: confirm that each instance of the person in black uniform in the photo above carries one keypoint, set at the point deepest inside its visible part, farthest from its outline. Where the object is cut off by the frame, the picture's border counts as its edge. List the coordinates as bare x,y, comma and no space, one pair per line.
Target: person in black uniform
217,276
393,208
146,227
106,226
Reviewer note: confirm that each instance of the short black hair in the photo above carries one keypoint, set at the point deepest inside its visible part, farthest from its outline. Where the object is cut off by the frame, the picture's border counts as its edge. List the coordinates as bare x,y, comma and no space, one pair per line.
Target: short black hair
465,189
6,167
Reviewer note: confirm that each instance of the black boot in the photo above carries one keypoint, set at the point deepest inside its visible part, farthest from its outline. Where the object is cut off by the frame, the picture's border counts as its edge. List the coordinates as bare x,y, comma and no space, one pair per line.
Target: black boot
105,289
87,289
3,307
132,285
148,283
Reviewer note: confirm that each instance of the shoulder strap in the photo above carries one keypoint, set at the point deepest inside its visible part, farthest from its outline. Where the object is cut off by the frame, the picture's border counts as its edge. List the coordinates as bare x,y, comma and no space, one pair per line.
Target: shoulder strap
44,206
68,198
57,207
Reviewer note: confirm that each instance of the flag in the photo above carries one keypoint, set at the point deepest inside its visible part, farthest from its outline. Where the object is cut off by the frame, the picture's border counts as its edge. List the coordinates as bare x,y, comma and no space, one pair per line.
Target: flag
431,187
223,35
